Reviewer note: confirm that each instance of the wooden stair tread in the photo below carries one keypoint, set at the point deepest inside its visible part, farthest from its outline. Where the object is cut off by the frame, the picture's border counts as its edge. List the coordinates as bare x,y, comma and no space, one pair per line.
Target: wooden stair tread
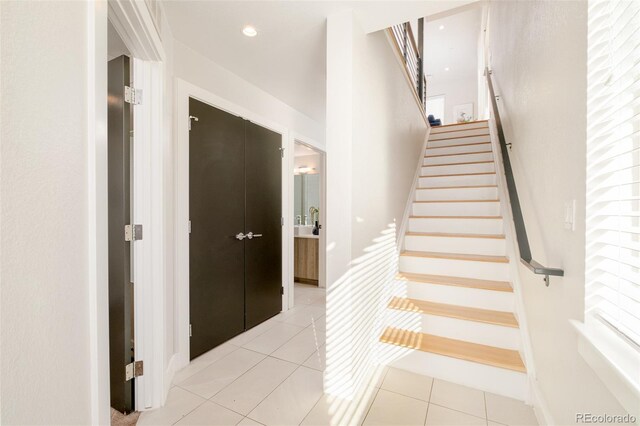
455,217
456,164
457,137
503,286
458,201
453,235
459,174
455,146
458,124
474,352
505,319
458,153
457,187
456,256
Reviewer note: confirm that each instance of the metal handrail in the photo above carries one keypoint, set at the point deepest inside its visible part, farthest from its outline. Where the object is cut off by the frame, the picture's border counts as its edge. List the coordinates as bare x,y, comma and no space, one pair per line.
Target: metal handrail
412,57
516,210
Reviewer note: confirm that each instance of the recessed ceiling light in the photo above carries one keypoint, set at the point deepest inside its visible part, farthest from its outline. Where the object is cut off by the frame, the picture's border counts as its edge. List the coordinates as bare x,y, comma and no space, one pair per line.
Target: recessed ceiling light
446,69
249,31
441,27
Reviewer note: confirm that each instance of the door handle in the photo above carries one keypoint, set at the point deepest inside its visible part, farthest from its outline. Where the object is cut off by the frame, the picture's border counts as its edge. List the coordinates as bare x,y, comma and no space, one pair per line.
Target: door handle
251,235
240,236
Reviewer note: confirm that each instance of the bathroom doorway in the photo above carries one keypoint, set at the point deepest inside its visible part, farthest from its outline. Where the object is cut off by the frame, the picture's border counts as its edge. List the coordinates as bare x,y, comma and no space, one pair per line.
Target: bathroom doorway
308,218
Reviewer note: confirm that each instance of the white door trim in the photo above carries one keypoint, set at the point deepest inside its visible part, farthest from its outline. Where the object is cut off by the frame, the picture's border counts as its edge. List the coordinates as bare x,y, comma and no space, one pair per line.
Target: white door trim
183,91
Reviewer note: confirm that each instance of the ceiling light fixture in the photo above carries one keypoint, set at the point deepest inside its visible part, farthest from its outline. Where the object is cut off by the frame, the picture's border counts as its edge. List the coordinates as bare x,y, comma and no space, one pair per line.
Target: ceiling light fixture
249,31
441,27
446,69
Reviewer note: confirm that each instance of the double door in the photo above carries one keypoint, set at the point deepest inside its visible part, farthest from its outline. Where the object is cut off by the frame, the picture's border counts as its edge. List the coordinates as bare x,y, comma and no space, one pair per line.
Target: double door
235,210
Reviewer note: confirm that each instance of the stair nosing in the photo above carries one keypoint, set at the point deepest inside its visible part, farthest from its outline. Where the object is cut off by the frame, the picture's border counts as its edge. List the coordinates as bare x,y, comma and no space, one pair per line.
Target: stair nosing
458,174
456,164
457,137
442,126
456,187
458,153
444,307
455,146
455,217
459,201
456,256
419,341
474,283
454,235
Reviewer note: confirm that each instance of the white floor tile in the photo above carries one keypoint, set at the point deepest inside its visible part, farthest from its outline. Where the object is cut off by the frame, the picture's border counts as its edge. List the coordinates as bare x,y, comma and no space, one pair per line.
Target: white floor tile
457,397
509,411
210,414
441,416
256,331
244,394
203,361
394,409
221,373
249,422
292,400
273,338
408,384
318,359
301,346
305,315
330,410
179,404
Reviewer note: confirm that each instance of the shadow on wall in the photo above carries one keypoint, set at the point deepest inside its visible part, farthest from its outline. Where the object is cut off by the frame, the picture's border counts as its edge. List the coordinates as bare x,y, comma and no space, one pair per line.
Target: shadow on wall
356,317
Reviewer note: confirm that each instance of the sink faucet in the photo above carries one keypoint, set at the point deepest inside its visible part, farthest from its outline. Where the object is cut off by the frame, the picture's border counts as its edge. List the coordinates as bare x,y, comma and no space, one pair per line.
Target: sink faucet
298,220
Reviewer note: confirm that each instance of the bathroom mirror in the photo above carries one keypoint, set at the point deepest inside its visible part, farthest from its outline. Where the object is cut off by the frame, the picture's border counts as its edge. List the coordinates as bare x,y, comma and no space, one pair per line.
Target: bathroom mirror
306,195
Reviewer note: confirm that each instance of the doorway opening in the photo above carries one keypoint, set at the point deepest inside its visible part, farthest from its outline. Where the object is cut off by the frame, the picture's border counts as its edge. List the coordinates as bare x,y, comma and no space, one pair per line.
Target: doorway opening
308,214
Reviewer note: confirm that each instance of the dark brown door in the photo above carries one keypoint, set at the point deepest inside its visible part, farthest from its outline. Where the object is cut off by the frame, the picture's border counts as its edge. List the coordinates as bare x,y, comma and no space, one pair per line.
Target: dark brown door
120,288
263,253
216,210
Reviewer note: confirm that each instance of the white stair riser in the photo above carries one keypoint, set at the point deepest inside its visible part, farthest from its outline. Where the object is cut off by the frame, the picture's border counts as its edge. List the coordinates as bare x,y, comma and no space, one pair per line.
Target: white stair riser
437,194
457,169
455,268
477,125
485,246
464,158
456,226
501,381
456,295
455,328
459,133
458,149
489,208
468,180
457,141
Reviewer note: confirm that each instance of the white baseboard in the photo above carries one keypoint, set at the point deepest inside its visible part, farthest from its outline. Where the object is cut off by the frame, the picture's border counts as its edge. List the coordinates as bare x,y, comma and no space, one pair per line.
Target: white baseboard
540,408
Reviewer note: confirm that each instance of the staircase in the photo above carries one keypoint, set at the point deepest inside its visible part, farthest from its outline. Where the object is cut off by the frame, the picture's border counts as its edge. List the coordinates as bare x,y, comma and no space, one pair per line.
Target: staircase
454,303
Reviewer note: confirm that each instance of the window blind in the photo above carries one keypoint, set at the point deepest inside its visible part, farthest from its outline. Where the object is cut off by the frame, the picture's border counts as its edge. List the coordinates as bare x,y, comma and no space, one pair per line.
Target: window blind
613,167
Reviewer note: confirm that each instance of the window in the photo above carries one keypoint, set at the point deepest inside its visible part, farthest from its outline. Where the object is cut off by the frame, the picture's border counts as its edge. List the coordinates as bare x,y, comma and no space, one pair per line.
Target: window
612,294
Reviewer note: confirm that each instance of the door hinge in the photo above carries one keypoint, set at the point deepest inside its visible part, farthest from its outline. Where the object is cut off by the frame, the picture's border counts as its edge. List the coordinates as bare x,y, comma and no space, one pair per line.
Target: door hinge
190,331
133,370
132,96
281,152
281,220
132,232
189,226
281,290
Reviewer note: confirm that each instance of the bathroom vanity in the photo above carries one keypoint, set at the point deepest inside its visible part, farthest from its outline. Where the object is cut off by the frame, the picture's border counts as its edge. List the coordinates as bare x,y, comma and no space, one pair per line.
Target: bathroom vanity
305,249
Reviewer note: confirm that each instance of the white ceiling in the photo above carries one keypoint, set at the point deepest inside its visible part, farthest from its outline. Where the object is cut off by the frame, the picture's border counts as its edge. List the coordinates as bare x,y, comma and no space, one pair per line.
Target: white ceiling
455,46
300,150
287,58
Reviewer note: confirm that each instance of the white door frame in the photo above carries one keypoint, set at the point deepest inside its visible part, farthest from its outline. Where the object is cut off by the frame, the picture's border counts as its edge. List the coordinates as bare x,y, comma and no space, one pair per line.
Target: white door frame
322,242
134,24
183,91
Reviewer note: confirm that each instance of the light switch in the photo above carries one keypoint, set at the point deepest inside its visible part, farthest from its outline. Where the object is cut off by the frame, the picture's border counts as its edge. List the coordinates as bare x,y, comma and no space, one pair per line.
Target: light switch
570,215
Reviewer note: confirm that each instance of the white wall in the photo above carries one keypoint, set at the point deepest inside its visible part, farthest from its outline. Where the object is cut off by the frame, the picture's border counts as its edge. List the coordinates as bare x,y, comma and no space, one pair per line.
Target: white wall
44,300
375,132
455,92
202,72
539,58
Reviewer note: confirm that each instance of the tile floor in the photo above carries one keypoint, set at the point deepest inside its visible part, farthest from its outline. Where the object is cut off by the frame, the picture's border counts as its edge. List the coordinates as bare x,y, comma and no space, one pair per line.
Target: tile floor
272,375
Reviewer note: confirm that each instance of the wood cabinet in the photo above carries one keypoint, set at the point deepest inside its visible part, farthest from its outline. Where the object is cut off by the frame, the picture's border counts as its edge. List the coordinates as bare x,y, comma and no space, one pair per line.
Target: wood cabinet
305,269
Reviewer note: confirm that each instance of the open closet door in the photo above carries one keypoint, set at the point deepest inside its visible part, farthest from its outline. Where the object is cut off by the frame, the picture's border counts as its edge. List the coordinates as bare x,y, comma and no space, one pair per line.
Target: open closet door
263,252
121,350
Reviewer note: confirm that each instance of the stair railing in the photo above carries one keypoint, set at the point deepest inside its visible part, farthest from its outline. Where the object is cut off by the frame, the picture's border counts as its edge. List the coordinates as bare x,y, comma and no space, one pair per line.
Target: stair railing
516,210
412,56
